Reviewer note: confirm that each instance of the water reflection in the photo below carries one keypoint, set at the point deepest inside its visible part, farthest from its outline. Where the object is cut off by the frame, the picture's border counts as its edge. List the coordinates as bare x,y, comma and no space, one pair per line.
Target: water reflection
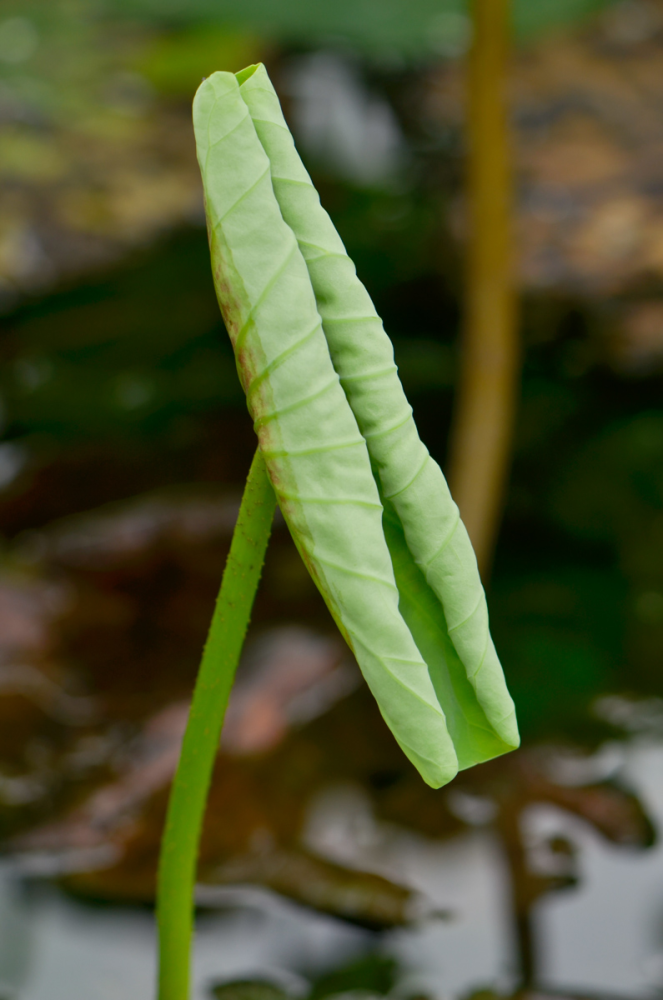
602,938
104,614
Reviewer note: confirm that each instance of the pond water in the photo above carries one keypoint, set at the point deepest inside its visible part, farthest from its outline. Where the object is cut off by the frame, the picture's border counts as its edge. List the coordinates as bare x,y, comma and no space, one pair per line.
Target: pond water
603,938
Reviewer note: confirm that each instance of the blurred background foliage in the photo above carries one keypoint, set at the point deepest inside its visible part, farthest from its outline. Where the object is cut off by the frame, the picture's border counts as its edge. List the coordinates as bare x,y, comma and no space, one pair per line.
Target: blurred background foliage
116,373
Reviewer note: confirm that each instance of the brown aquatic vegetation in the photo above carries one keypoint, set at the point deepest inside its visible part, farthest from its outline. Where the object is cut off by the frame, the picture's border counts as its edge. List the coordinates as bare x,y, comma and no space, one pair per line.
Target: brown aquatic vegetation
98,802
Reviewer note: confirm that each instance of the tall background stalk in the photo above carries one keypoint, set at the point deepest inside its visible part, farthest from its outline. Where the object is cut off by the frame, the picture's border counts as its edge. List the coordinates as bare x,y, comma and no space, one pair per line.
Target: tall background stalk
186,809
482,428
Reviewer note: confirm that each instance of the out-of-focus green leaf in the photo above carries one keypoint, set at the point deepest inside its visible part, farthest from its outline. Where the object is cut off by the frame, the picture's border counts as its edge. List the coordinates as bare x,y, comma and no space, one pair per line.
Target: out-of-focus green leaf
374,974
174,62
615,482
561,632
249,989
419,29
134,352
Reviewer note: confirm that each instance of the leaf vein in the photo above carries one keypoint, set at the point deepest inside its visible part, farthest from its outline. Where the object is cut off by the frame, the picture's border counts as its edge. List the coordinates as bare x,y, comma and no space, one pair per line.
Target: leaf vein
239,340
466,620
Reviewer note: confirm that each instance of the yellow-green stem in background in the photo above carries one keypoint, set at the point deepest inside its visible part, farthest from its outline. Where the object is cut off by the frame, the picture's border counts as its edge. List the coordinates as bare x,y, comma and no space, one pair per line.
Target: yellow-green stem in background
482,429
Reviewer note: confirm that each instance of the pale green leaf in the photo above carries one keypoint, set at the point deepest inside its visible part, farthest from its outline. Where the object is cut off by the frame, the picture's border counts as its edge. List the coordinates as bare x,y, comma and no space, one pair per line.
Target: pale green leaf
315,455
412,483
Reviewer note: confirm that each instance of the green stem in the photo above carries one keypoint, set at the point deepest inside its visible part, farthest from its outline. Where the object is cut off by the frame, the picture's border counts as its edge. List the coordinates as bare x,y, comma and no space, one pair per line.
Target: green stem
186,809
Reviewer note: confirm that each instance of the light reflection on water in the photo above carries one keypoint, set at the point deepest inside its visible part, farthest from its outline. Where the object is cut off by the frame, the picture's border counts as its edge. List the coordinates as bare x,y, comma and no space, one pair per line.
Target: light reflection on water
605,937
609,935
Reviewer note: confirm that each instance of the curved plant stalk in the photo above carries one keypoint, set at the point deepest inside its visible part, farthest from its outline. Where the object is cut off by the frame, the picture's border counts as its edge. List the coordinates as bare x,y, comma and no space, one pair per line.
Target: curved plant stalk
186,809
428,542
484,414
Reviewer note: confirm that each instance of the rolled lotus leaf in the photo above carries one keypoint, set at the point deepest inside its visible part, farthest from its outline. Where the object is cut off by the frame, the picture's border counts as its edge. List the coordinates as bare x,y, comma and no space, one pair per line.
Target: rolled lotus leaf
473,738
315,455
462,659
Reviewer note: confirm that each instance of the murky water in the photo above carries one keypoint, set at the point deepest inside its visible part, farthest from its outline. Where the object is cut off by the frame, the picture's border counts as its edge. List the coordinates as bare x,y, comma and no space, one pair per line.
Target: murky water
604,937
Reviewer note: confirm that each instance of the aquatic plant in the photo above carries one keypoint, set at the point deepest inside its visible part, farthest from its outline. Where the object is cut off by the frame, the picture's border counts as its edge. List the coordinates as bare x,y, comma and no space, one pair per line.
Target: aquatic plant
367,507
